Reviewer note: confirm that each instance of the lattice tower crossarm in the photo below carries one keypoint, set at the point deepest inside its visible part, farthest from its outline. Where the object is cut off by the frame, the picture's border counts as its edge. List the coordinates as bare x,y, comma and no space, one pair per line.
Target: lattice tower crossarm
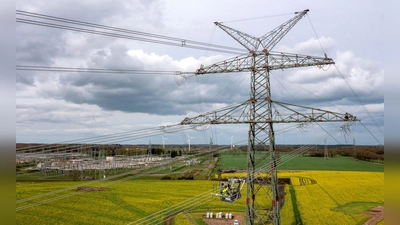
239,114
259,61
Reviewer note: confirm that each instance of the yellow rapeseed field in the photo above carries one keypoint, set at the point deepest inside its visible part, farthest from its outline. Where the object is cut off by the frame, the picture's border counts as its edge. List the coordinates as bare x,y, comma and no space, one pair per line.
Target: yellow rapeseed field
122,203
337,197
333,198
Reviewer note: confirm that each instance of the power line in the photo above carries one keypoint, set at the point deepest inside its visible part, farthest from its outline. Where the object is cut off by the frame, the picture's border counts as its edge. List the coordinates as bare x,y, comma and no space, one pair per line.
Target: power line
359,100
122,33
290,156
371,133
94,70
111,179
111,138
200,199
322,48
256,18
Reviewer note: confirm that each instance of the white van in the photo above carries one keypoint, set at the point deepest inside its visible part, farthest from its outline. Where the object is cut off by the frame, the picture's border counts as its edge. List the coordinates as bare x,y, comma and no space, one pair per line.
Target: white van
236,222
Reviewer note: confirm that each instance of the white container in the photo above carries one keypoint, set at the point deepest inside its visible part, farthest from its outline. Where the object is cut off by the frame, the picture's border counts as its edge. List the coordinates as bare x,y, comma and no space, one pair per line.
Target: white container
208,215
211,215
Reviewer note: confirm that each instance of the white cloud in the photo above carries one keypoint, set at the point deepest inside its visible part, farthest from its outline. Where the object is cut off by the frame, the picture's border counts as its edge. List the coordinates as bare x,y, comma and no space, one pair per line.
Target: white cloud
314,47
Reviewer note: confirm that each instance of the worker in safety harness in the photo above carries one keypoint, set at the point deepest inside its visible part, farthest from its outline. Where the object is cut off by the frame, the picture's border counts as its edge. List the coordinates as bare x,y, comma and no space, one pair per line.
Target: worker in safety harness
225,191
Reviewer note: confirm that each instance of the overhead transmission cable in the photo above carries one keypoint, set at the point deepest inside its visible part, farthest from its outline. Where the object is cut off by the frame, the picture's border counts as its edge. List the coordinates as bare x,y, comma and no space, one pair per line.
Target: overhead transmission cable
352,90
93,70
301,87
359,100
329,133
81,26
370,133
94,182
197,82
123,136
292,155
174,209
201,197
316,34
159,167
286,158
257,18
323,51
97,181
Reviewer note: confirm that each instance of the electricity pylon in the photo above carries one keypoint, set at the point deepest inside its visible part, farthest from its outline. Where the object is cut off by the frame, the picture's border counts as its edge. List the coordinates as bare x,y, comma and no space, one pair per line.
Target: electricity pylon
260,111
326,155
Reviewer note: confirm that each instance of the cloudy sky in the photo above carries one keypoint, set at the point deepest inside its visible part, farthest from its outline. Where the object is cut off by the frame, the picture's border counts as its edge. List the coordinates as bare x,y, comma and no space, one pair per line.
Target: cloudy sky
58,106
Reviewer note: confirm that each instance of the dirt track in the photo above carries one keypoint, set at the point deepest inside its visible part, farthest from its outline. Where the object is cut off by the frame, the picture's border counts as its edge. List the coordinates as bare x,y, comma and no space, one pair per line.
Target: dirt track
236,216
169,220
376,214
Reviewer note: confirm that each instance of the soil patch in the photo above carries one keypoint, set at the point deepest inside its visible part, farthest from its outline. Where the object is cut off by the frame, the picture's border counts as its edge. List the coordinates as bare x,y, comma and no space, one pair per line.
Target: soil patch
376,214
235,216
169,220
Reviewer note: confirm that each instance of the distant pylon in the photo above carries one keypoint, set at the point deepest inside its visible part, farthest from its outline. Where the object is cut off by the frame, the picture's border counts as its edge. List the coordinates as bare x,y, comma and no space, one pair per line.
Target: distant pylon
326,155
149,152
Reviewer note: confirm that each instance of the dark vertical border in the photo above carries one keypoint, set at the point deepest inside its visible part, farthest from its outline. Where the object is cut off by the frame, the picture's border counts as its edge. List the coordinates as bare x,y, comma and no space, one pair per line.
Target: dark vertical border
392,110
7,112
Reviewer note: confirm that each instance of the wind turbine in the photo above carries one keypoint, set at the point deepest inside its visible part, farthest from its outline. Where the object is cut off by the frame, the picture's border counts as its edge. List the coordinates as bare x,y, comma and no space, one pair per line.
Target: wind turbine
231,141
163,141
188,141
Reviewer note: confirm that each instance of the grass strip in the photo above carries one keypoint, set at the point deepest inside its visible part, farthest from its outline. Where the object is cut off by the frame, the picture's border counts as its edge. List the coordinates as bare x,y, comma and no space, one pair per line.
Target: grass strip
296,212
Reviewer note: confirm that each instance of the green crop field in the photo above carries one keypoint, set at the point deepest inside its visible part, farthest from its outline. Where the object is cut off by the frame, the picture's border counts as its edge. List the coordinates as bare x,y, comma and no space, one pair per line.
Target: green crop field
338,163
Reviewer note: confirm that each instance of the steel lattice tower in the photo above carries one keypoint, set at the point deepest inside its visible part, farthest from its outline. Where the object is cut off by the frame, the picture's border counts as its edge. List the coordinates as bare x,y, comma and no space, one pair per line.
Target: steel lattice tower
261,112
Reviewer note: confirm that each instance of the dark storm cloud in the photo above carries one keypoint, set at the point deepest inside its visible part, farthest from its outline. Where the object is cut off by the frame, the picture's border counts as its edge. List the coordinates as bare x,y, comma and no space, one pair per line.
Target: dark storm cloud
114,57
45,46
153,94
37,52
103,12
26,79
135,93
